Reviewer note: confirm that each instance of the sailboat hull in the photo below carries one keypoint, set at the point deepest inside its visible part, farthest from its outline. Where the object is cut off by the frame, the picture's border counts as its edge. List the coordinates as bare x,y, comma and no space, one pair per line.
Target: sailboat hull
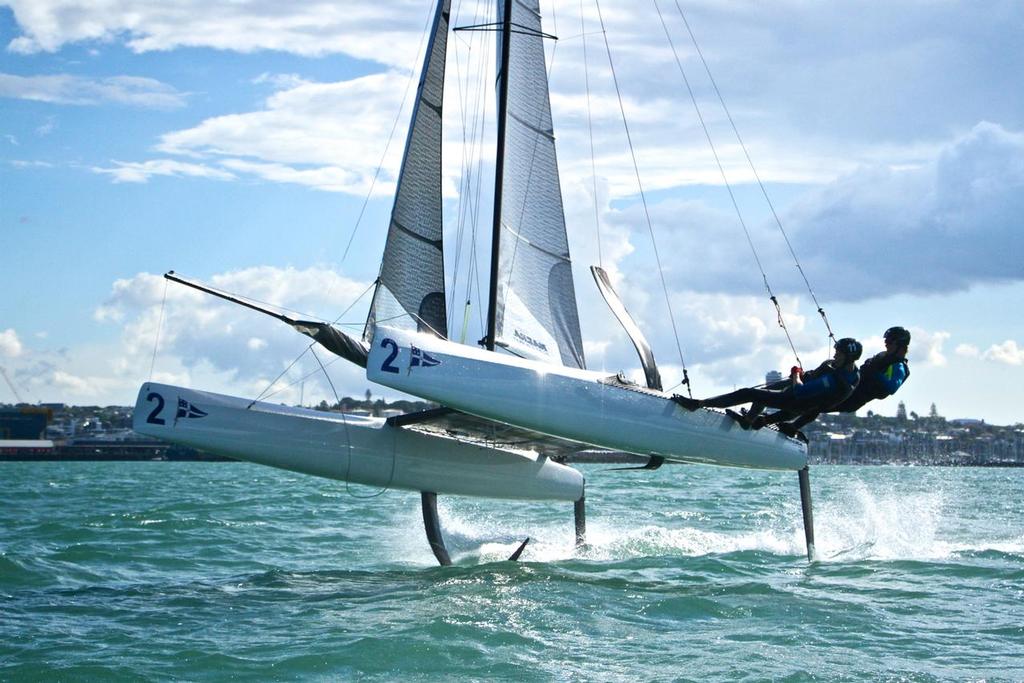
572,404
363,450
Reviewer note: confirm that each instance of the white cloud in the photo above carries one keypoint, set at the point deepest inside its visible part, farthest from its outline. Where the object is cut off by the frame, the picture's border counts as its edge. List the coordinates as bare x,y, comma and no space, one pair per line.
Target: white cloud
967,350
71,383
281,81
10,345
1008,352
939,228
20,163
141,172
67,89
328,178
935,228
324,135
207,342
927,348
47,126
311,28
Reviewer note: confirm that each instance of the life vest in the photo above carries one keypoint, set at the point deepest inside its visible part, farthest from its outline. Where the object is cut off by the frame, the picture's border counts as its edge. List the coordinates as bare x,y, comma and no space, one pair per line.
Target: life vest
893,376
828,382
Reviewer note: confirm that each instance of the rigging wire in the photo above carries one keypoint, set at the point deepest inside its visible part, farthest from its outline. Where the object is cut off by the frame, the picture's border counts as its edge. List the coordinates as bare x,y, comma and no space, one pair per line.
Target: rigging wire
300,379
468,207
454,37
474,261
643,199
391,137
732,196
348,440
529,175
473,277
590,133
328,377
764,191
283,373
359,219
159,326
353,304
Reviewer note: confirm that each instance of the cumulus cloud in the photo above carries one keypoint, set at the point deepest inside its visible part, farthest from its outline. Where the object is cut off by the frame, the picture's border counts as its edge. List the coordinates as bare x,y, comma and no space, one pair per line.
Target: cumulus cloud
47,127
324,135
311,28
66,381
936,228
967,351
1008,352
240,350
67,89
927,348
21,163
142,171
10,345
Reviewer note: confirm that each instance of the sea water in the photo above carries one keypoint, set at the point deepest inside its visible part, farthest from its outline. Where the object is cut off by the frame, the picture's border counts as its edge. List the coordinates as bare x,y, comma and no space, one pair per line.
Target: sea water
214,571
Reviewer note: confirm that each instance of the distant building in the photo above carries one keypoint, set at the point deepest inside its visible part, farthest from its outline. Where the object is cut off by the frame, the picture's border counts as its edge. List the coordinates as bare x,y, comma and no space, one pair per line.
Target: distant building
966,422
25,422
772,376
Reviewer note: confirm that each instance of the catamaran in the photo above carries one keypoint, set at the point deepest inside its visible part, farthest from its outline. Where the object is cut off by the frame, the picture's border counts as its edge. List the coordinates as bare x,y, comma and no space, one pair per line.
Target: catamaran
510,409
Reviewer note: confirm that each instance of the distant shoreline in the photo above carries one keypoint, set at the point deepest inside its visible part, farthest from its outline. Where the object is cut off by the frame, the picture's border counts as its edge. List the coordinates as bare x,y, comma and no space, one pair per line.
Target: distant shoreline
150,452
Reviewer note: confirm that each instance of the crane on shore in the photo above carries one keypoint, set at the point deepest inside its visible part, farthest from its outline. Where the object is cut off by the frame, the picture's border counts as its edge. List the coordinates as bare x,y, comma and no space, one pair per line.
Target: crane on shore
17,396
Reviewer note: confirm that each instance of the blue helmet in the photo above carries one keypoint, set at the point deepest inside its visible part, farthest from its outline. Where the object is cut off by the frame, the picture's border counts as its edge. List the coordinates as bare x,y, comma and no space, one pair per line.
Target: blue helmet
849,347
898,336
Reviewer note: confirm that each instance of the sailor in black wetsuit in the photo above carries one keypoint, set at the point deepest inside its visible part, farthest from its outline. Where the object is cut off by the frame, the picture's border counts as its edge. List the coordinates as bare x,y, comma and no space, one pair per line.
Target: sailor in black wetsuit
820,389
881,376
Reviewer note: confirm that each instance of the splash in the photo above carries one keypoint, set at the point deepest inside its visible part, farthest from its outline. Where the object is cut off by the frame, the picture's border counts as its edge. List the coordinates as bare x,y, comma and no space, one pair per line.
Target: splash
856,521
889,525
475,535
895,524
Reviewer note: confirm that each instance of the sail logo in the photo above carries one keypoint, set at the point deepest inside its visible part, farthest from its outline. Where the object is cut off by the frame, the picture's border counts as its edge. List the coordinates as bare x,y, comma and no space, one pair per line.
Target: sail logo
421,358
530,341
186,409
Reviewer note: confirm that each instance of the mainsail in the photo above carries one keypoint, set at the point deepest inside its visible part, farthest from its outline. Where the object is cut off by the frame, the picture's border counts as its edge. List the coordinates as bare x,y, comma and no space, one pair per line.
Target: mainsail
535,312
410,288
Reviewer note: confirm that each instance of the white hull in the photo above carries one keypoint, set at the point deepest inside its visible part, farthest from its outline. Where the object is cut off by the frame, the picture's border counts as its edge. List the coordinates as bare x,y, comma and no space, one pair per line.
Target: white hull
362,450
571,404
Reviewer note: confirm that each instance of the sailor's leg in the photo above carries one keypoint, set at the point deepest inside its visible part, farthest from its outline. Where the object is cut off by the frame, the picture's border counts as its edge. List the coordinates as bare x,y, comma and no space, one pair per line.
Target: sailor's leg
733,398
772,399
805,419
776,417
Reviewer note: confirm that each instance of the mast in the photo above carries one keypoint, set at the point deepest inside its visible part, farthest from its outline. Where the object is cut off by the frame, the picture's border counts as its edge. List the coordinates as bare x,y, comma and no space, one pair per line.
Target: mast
499,172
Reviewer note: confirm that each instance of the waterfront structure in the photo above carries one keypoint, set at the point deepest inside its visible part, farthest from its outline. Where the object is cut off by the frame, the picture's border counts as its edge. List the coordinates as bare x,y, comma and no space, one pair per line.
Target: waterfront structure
24,422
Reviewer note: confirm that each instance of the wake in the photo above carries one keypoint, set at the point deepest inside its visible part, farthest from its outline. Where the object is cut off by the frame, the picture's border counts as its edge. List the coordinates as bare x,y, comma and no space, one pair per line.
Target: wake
857,523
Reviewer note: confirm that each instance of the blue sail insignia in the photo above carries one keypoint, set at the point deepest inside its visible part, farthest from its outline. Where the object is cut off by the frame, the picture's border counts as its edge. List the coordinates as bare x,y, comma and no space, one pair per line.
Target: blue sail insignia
186,409
421,358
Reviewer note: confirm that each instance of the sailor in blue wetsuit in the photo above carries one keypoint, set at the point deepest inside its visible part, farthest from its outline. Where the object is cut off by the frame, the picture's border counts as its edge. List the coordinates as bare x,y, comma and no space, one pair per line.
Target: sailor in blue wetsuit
881,376
819,390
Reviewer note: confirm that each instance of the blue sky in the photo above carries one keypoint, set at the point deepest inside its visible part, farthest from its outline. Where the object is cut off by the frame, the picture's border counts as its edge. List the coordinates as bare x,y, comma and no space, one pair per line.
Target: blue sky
236,143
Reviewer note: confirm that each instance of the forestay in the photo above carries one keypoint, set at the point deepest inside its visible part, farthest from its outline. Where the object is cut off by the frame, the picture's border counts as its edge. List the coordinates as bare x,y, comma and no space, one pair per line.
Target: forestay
410,289
536,314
